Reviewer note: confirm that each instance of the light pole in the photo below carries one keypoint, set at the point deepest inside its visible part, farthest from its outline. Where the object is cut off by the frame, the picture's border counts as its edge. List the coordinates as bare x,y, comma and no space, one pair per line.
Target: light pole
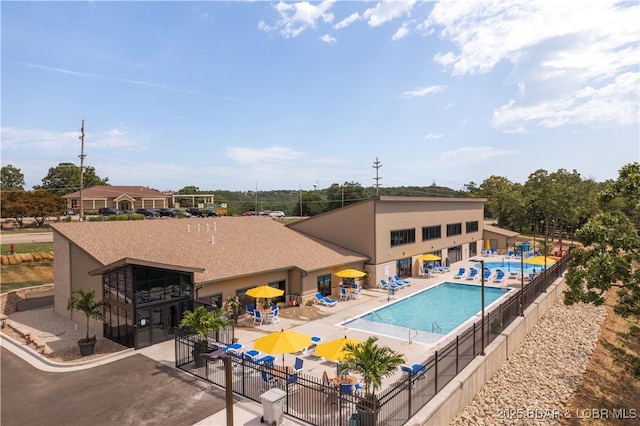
228,381
521,280
482,284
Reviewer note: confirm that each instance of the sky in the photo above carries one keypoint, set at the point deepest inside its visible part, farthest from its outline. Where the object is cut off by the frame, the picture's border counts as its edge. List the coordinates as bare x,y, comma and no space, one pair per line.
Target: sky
263,95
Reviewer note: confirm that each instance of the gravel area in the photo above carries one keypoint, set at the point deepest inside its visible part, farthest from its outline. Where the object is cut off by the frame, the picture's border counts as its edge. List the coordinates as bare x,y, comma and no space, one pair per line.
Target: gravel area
544,371
54,336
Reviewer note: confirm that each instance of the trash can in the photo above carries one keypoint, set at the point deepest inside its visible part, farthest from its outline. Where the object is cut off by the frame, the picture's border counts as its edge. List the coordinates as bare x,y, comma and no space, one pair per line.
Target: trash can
353,421
272,411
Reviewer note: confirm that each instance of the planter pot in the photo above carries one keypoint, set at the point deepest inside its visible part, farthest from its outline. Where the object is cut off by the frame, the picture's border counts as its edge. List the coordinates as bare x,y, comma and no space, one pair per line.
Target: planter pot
367,415
86,348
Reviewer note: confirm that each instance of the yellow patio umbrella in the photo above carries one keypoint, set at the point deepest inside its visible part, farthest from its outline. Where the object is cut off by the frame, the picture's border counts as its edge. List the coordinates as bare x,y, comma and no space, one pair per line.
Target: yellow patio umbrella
333,350
264,292
350,273
487,244
428,257
540,260
282,342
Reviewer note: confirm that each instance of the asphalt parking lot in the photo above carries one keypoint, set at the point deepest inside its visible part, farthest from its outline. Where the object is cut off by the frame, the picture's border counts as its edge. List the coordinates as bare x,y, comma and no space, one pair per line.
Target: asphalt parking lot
132,391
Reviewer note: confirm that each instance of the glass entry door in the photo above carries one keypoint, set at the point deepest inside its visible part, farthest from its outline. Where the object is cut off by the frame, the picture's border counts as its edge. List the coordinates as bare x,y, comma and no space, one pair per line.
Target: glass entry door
158,323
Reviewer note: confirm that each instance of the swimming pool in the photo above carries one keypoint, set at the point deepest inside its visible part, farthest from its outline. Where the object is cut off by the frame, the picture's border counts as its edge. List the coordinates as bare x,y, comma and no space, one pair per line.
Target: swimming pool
428,315
512,265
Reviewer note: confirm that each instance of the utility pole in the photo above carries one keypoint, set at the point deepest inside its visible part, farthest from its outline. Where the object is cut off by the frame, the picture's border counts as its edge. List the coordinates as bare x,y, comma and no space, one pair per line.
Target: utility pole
377,165
82,155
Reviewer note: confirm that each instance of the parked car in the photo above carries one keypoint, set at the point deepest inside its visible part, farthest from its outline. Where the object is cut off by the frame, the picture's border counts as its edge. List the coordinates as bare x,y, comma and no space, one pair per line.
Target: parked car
194,211
209,213
276,213
108,211
167,212
250,213
183,213
148,212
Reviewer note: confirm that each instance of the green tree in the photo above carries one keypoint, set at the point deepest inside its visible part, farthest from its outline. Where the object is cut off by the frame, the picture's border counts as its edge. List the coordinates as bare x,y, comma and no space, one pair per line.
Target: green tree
14,203
85,303
11,178
373,362
65,179
610,252
624,193
202,322
343,195
500,194
312,204
43,204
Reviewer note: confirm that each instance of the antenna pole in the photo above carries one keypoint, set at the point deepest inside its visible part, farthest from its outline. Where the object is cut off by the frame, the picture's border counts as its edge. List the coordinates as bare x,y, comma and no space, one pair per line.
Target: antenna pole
377,165
82,155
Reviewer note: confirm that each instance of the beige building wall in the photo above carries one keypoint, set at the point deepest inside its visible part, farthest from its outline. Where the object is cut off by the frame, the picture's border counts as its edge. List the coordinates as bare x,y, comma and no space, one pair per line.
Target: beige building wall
366,228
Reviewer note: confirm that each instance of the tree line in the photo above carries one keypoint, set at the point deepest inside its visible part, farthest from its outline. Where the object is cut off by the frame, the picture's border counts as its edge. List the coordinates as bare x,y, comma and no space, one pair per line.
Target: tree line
604,217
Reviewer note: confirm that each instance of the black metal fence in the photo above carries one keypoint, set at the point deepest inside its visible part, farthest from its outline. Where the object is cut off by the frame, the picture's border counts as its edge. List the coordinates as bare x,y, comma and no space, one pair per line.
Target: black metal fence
315,402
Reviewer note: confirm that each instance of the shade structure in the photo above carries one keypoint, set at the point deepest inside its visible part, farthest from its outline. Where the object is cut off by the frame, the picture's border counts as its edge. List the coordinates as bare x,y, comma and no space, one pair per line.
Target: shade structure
264,292
282,342
429,257
333,350
540,260
350,273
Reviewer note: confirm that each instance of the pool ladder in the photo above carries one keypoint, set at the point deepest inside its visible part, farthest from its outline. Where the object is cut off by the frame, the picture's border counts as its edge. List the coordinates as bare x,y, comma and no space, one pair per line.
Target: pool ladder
415,334
434,326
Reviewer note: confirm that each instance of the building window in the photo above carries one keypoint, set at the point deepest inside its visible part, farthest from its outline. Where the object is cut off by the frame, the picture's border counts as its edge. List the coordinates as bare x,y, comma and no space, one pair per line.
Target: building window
403,236
472,227
431,232
454,229
324,284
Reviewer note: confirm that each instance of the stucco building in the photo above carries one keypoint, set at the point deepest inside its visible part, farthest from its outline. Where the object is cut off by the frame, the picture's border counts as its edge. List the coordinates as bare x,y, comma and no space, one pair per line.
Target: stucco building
151,271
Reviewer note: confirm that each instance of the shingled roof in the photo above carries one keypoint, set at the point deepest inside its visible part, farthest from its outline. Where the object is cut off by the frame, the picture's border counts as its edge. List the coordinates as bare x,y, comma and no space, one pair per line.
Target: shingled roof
116,191
225,247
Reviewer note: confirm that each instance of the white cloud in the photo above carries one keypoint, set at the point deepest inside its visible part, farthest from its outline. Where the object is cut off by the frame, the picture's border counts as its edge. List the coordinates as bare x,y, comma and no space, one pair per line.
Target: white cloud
347,21
295,18
577,60
386,11
424,91
433,136
402,32
264,26
254,156
328,39
472,154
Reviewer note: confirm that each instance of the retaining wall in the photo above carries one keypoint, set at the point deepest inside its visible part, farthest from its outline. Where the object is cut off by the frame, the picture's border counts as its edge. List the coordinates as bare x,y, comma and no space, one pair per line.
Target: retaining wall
26,298
459,393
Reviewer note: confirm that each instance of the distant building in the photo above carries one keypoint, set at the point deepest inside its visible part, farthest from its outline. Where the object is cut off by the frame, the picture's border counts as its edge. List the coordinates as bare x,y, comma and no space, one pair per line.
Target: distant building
118,197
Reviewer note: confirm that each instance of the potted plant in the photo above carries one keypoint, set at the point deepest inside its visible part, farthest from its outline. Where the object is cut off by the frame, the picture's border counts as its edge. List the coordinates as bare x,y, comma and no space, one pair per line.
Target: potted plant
374,363
232,307
201,322
85,303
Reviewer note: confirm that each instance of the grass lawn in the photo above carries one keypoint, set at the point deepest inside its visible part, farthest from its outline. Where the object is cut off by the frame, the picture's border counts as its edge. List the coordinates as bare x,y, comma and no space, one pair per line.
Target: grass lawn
26,248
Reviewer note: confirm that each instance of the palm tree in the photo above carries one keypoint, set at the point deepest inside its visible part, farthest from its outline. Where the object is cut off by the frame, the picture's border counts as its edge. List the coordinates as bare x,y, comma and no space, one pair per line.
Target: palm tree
202,322
373,362
86,304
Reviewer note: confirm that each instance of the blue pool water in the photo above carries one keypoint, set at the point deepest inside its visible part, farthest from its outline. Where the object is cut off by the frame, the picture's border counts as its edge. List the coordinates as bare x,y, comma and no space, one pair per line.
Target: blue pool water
447,304
511,265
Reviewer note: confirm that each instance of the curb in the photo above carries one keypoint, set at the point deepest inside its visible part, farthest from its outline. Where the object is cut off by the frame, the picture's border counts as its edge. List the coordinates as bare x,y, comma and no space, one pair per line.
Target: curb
37,360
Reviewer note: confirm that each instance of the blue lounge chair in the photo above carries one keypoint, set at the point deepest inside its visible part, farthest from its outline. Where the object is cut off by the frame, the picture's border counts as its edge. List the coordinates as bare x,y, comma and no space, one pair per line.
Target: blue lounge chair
252,355
346,388
414,370
460,274
499,278
233,349
385,285
399,280
297,367
473,274
323,300
486,274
